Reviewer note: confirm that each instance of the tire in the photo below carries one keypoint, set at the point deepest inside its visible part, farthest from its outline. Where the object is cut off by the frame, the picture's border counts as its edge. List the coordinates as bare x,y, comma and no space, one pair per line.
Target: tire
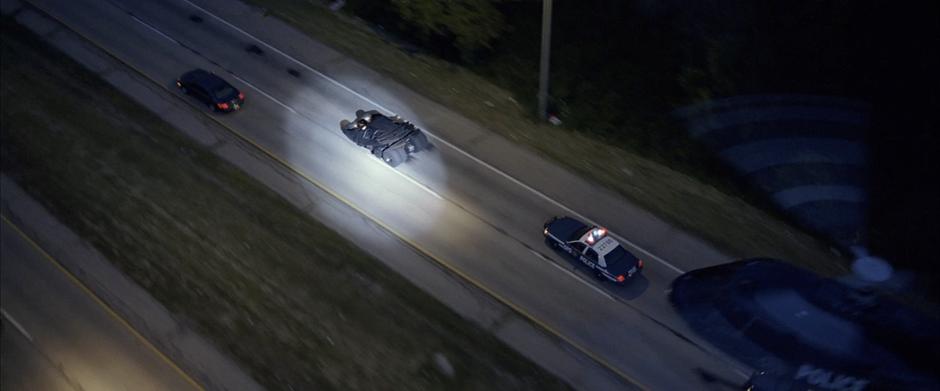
420,142
393,157
551,243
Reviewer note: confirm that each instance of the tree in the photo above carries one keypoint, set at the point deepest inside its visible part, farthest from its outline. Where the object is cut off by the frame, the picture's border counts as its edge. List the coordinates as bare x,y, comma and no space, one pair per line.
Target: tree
473,24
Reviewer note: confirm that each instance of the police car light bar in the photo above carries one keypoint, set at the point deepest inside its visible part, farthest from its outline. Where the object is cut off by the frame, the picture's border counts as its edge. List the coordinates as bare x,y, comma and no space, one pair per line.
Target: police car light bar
596,233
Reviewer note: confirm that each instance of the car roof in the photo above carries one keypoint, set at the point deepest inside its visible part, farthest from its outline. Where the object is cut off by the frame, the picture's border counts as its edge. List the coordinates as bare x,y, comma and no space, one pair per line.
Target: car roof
204,78
381,121
565,228
605,245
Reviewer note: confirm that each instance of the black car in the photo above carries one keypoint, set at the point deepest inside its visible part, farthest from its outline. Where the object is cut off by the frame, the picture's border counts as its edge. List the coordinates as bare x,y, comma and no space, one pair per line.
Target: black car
390,138
592,246
803,331
211,90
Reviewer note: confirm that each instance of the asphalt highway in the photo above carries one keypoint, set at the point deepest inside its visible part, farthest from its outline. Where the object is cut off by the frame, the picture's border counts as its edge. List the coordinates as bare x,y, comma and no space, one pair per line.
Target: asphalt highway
453,206
57,336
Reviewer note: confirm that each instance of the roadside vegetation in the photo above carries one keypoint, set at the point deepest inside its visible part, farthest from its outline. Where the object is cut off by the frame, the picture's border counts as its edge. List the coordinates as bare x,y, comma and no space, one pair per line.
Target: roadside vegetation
299,306
635,151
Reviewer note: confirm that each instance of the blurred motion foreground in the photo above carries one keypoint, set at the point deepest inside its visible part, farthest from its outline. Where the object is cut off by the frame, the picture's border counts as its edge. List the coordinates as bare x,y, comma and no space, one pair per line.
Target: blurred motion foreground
803,332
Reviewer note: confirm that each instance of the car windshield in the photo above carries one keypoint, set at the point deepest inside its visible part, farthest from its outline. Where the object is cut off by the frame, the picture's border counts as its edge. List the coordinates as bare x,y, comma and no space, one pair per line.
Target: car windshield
580,232
224,91
382,122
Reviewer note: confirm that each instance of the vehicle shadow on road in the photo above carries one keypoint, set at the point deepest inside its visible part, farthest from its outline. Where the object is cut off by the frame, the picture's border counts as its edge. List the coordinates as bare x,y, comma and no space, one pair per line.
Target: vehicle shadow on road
631,289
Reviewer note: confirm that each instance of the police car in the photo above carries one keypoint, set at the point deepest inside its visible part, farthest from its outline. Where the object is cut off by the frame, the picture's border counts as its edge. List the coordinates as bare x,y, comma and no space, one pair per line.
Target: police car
593,247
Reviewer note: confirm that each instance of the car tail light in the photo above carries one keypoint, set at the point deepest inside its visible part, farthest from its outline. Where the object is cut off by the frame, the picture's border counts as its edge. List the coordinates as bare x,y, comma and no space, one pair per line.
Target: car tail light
620,278
223,106
241,95
639,263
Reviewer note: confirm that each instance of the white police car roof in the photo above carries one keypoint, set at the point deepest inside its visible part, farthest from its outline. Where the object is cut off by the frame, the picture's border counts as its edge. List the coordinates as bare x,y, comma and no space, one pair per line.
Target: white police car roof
605,245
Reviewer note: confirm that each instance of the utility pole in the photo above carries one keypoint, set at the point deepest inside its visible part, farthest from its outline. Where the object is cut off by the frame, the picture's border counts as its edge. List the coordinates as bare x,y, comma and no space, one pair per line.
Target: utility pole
546,48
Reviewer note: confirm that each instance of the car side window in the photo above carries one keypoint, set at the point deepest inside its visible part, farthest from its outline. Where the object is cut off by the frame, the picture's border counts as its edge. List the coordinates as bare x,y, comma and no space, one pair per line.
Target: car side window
578,246
199,93
591,254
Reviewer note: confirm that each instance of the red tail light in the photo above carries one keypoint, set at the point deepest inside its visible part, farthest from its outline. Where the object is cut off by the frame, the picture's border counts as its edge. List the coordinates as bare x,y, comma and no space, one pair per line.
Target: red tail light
223,106
639,263
241,95
620,278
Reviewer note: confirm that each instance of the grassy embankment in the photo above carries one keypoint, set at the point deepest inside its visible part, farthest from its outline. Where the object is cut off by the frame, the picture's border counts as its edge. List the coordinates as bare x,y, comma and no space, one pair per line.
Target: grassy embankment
293,301
727,221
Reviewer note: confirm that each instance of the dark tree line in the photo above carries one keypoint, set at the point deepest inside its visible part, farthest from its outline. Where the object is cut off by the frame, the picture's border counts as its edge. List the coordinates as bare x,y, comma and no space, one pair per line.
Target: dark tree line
619,68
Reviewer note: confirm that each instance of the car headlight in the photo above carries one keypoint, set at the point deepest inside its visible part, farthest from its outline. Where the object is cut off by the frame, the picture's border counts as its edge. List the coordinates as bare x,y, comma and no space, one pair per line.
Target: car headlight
545,231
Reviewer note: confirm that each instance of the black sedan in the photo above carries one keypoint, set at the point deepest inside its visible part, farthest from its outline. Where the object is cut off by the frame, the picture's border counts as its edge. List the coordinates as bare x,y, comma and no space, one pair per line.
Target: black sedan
211,90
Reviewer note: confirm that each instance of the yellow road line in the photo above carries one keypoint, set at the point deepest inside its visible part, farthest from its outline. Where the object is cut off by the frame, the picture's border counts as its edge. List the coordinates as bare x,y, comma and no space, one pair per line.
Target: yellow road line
84,288
450,267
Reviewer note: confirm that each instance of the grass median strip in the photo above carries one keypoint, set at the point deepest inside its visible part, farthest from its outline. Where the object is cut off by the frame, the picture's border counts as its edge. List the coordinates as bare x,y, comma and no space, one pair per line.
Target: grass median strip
294,302
708,211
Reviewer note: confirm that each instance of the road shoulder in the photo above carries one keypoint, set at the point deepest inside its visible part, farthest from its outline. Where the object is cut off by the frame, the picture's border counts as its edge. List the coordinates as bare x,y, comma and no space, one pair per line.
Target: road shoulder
173,337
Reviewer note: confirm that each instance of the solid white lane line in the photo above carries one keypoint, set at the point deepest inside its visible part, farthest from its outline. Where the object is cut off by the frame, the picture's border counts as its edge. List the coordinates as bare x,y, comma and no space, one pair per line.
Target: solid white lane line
296,61
171,39
382,163
556,203
386,166
291,109
151,28
572,275
282,104
16,324
445,142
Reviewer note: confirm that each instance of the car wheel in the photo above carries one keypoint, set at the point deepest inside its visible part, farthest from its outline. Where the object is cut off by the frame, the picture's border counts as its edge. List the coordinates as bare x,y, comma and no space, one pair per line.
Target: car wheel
420,142
393,157
551,243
